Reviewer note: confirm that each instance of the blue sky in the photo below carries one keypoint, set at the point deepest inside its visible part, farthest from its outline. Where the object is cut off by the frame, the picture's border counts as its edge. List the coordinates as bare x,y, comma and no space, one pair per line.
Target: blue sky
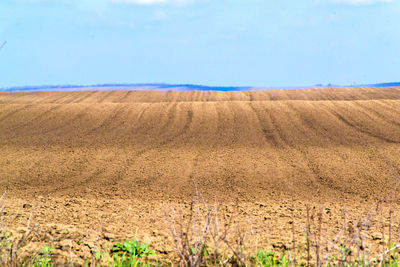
210,42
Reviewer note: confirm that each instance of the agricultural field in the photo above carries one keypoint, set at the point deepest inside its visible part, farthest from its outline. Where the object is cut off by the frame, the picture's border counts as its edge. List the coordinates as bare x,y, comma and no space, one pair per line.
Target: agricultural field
96,167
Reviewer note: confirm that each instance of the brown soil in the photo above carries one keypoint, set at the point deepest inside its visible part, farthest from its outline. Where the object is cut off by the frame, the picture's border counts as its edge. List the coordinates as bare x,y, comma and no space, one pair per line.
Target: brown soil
121,157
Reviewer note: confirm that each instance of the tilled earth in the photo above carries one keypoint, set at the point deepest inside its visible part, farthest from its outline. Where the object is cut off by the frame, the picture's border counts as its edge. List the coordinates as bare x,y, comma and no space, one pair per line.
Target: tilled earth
119,160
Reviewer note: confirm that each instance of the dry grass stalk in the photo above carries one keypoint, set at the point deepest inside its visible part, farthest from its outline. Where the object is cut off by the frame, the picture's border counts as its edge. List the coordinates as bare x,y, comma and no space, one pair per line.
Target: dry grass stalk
308,234
71,257
335,240
191,236
239,244
93,251
314,229
294,261
11,245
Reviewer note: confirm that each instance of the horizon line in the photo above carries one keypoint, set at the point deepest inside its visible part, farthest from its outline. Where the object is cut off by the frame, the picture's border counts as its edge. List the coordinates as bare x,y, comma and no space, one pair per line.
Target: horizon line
181,87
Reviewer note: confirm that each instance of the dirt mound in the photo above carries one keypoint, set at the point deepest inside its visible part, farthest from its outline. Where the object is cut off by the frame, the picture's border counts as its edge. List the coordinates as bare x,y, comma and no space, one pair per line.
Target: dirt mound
124,154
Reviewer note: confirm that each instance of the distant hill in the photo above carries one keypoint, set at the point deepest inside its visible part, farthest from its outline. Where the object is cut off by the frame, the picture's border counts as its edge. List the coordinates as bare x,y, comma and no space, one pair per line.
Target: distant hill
170,87
385,84
147,86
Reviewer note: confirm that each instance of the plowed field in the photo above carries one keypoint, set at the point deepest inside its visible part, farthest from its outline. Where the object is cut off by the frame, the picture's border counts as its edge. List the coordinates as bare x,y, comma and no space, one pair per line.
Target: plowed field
119,157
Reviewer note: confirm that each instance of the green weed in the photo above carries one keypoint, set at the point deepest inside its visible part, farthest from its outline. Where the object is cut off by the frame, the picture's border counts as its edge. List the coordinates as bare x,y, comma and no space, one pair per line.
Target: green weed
43,259
270,259
132,248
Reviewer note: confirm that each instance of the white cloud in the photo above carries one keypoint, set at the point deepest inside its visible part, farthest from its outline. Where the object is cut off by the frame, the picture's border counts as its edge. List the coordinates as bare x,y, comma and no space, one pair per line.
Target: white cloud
360,2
